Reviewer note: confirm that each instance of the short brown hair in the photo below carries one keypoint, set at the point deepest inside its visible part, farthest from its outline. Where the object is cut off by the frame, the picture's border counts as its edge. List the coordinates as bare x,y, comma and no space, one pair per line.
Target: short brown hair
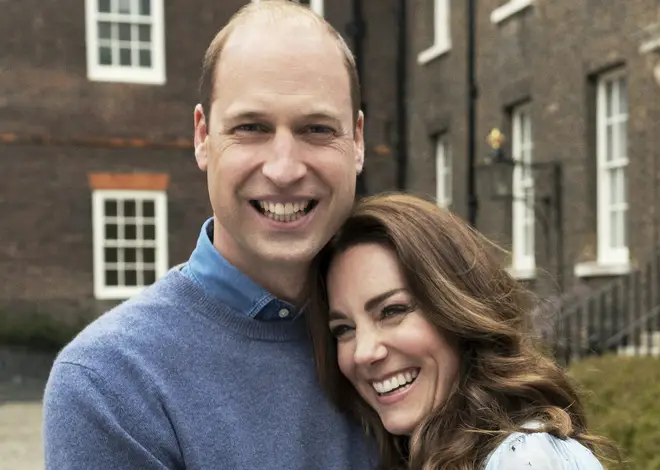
277,9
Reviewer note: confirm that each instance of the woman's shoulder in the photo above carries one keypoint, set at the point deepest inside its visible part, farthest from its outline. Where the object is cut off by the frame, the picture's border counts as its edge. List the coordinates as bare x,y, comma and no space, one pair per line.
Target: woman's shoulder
541,451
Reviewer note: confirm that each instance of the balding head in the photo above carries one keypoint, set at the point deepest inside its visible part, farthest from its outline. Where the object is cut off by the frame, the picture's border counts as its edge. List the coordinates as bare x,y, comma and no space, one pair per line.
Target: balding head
267,14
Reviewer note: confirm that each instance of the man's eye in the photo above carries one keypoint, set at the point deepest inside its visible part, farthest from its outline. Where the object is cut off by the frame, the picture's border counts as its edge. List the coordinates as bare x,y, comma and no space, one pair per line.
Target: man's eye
317,129
250,128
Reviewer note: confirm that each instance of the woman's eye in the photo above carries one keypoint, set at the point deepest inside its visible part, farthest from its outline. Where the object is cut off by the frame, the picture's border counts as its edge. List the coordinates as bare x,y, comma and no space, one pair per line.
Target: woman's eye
339,330
396,309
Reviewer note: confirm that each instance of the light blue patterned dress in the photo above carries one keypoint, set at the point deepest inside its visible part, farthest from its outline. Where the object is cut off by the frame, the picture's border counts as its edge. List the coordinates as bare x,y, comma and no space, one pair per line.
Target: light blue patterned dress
541,451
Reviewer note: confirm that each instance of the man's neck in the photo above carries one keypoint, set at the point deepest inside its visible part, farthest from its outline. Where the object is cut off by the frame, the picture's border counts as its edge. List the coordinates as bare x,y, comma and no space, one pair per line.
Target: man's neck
283,280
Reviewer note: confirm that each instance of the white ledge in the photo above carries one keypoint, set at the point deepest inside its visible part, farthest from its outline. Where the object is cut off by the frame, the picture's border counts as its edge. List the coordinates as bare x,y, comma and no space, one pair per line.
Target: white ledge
509,9
651,45
436,50
522,274
596,269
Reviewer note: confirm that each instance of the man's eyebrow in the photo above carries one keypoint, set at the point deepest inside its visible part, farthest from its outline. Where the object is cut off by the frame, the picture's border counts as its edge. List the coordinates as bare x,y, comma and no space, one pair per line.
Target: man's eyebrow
246,114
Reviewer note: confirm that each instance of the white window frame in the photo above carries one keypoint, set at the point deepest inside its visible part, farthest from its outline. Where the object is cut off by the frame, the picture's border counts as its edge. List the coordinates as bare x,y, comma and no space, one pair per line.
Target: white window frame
99,197
508,9
523,204
612,250
155,75
441,32
443,171
317,6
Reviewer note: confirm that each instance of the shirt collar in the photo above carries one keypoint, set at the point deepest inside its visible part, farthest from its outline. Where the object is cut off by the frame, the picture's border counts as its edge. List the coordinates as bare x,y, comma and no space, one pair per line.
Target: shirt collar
231,286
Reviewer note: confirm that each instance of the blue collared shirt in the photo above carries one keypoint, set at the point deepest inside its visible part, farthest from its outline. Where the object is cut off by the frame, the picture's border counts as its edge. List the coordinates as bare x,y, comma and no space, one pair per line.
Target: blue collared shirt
208,268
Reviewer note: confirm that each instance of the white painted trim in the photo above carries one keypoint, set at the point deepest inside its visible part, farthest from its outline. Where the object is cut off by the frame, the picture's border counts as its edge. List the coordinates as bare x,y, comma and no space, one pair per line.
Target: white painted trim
443,168
523,181
101,291
608,254
509,9
155,75
652,45
317,6
521,274
441,33
595,269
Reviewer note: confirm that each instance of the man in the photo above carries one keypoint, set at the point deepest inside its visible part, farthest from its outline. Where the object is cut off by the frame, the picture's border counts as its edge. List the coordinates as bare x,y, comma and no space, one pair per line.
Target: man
211,368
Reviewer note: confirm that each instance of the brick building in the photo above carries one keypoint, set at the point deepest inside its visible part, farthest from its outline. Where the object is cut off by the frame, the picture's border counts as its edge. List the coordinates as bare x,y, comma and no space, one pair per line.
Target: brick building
100,192
575,88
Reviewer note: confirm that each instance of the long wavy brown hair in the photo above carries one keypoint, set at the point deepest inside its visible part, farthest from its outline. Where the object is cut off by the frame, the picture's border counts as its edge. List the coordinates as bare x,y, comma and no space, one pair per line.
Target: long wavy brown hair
457,278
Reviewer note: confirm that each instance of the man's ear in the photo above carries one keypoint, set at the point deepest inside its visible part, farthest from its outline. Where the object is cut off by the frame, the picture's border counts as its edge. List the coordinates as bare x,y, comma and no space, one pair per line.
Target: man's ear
201,134
359,143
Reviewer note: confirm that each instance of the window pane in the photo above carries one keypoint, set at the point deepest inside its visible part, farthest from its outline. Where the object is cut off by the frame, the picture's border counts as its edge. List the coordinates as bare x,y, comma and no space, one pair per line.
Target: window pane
124,31
111,278
144,33
623,96
609,143
129,208
111,255
623,191
111,231
145,58
110,208
609,98
149,255
612,186
105,31
124,56
105,56
130,255
148,209
623,140
149,232
145,7
624,228
130,277
149,277
104,6
614,228
130,232
124,6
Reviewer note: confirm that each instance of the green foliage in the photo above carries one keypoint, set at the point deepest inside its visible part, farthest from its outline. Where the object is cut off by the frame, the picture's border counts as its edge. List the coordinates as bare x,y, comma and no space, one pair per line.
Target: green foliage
623,404
38,332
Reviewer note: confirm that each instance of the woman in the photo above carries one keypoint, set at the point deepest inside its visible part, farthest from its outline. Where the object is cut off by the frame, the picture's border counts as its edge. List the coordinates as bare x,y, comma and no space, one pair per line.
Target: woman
422,335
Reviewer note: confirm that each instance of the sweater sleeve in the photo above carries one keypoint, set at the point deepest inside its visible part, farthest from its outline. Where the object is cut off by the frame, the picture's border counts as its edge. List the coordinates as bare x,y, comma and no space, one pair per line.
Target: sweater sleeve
541,451
88,423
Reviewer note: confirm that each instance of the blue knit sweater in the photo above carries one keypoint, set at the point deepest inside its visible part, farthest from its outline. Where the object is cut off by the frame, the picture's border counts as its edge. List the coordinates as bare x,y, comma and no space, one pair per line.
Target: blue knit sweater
173,379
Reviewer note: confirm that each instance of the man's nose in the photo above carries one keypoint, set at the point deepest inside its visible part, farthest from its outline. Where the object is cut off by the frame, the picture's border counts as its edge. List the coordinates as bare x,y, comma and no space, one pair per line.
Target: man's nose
284,166
369,348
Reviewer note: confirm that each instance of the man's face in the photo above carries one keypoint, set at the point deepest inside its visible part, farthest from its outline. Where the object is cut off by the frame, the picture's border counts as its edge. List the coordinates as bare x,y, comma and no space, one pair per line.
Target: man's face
282,151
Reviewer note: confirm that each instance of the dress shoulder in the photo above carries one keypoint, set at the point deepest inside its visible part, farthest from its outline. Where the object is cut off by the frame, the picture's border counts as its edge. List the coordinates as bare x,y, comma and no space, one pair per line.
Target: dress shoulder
541,451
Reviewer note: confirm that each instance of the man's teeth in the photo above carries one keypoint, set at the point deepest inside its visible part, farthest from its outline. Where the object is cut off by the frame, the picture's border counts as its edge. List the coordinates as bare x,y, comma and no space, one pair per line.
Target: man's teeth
284,212
395,381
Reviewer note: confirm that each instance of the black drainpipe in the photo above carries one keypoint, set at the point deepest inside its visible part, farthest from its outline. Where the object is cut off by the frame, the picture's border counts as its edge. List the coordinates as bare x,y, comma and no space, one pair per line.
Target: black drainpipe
473,202
356,30
401,108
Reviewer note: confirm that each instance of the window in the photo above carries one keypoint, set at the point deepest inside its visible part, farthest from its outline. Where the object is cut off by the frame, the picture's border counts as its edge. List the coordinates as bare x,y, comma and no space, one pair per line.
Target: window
509,8
315,5
125,41
612,160
129,222
523,228
441,32
443,172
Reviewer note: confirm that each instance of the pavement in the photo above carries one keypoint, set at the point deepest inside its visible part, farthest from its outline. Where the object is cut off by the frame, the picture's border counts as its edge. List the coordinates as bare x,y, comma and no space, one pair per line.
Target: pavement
23,377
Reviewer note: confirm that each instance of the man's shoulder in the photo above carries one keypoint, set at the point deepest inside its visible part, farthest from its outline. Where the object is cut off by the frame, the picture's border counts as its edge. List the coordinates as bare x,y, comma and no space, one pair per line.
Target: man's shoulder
133,323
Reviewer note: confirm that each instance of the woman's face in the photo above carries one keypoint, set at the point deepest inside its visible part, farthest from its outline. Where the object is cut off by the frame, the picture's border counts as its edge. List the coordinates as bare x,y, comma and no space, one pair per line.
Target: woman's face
394,357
